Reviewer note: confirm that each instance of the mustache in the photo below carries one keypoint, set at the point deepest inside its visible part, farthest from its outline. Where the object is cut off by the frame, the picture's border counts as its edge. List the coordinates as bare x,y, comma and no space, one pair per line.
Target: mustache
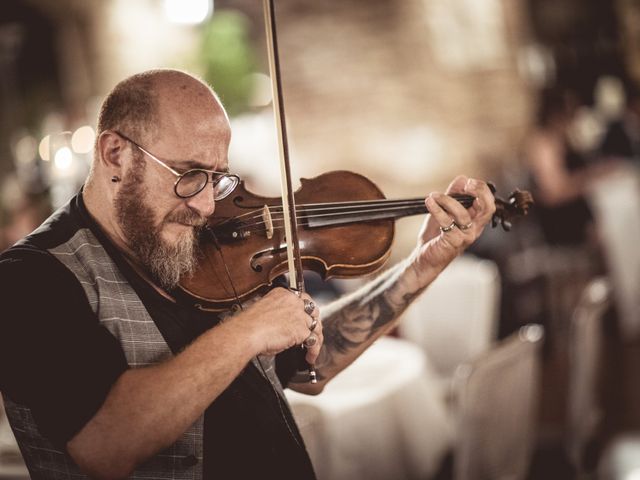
187,217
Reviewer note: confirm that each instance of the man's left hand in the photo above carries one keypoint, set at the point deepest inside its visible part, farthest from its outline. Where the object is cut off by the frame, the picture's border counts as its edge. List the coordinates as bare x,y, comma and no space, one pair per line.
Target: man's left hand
451,228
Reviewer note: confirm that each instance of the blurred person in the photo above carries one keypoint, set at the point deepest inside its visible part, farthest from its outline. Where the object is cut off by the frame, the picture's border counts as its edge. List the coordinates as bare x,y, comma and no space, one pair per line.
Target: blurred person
107,372
560,174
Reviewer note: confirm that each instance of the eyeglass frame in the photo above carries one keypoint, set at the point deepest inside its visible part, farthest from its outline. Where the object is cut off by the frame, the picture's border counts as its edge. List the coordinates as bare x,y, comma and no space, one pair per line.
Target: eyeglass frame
181,175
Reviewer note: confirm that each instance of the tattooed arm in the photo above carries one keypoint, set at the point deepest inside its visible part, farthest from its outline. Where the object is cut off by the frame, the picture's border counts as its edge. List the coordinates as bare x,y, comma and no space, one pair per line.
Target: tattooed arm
353,323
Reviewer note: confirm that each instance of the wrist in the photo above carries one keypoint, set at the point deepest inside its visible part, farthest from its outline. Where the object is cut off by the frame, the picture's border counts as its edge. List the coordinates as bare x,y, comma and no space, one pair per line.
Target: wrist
241,331
419,270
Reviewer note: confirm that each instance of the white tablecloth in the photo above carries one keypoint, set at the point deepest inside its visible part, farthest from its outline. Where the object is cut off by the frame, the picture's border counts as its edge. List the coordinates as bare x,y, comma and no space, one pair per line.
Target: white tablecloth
382,418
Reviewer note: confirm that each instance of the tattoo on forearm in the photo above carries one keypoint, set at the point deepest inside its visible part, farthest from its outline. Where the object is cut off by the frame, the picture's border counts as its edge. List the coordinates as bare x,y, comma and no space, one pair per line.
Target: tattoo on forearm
361,316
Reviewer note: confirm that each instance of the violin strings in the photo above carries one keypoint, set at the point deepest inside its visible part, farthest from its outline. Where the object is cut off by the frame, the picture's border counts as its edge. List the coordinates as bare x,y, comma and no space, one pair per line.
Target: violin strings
256,225
331,212
334,208
330,205
257,213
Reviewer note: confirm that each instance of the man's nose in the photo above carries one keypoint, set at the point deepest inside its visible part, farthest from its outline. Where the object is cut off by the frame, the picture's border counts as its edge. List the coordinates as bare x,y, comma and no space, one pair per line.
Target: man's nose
203,202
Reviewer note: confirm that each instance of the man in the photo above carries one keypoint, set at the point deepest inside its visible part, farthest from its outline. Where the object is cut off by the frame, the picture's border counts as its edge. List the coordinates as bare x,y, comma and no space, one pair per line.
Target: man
107,373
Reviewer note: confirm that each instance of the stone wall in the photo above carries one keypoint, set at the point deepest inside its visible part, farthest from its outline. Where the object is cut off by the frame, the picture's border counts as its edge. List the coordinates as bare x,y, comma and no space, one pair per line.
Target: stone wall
408,92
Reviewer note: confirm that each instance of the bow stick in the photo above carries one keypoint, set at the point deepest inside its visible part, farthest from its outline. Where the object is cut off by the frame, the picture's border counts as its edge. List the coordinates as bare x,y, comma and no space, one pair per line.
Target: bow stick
296,279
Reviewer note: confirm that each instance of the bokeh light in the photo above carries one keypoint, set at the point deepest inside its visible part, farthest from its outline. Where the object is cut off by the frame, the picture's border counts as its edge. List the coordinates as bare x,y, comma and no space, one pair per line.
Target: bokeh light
188,12
82,139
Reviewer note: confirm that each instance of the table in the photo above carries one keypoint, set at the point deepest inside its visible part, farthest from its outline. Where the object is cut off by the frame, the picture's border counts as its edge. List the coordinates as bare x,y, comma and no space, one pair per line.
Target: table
383,418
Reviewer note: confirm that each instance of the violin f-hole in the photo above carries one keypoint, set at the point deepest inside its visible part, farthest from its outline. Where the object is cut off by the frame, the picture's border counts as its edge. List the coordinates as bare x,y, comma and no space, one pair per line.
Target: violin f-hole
259,256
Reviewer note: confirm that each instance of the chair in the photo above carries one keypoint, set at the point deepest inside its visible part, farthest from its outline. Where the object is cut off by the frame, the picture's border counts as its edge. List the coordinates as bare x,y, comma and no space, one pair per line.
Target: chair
497,400
585,358
455,320
615,200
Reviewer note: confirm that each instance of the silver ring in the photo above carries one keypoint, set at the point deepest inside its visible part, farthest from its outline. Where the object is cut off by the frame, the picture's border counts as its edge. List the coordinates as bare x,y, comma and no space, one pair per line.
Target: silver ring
464,227
448,228
310,341
309,306
314,324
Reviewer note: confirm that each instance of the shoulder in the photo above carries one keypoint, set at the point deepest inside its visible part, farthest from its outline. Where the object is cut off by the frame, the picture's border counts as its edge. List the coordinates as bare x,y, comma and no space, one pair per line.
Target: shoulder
35,282
24,260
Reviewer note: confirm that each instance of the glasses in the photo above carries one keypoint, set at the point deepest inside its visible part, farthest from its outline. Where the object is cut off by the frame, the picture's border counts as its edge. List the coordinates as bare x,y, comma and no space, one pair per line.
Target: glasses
192,182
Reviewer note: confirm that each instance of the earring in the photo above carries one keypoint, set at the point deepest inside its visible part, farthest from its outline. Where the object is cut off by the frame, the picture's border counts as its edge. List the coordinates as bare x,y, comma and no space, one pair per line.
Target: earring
115,179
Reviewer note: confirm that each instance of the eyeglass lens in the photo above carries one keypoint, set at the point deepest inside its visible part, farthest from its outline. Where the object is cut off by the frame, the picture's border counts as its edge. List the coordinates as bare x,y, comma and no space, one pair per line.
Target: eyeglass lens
193,182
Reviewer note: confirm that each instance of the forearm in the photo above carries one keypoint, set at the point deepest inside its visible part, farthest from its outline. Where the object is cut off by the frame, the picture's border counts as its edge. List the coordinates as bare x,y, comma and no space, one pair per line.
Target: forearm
149,408
353,323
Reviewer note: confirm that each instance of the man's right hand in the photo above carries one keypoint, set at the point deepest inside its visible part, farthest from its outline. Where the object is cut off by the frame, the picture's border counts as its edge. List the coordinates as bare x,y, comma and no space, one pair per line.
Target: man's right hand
279,321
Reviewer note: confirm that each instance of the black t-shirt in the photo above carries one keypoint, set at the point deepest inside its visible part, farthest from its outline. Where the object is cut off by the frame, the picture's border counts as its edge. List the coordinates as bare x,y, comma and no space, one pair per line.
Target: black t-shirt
57,359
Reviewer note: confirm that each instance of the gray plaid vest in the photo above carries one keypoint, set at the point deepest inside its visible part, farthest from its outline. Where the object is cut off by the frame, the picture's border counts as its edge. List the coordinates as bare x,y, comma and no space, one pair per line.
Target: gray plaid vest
121,311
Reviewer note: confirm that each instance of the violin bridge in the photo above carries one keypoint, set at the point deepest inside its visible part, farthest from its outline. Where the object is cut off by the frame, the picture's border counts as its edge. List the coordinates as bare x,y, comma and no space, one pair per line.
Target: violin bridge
268,222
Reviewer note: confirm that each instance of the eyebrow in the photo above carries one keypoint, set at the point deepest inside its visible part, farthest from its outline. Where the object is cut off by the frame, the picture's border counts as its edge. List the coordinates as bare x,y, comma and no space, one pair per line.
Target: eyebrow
191,164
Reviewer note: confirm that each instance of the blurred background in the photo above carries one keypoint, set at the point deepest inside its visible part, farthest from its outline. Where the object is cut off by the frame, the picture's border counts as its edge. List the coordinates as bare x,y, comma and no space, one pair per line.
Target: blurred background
536,94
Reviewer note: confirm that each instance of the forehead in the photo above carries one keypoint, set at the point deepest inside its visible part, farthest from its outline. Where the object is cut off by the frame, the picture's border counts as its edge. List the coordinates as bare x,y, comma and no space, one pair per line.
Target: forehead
199,136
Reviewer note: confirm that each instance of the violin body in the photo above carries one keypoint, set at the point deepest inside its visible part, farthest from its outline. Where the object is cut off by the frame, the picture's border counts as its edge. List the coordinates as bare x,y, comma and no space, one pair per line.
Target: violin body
244,246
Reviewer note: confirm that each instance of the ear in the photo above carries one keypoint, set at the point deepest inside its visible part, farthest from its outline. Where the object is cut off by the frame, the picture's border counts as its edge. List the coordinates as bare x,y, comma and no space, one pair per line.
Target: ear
110,149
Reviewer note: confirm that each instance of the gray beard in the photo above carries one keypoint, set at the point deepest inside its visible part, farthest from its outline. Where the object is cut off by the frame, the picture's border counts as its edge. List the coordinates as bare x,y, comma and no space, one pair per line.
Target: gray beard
167,263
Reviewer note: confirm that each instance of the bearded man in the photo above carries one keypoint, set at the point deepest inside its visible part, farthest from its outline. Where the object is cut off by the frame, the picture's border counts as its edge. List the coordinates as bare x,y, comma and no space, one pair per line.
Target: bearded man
107,371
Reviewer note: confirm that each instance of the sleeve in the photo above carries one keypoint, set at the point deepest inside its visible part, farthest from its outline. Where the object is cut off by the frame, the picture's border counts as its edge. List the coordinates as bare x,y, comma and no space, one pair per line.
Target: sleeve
55,357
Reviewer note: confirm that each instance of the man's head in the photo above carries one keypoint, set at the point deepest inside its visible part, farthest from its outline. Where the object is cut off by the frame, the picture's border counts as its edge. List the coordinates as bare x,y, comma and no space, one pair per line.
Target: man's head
151,121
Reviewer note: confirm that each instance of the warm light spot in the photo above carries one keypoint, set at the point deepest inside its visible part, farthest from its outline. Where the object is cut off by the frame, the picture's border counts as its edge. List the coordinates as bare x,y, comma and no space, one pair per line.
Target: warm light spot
82,139
189,12
25,149
62,158
43,148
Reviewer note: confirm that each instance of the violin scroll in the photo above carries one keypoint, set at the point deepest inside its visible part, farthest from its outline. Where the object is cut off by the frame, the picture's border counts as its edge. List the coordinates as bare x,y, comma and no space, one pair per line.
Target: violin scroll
517,205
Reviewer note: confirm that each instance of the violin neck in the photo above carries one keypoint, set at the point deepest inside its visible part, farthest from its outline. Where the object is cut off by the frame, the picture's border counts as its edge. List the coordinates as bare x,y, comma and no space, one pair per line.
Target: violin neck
328,214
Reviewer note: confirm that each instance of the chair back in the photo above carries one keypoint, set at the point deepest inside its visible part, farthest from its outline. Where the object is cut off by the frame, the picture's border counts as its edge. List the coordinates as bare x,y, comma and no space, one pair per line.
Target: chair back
615,201
585,356
497,404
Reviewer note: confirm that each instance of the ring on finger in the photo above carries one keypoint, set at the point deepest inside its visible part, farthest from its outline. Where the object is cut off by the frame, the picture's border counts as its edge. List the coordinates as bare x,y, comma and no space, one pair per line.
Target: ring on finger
464,227
314,324
309,306
449,227
310,341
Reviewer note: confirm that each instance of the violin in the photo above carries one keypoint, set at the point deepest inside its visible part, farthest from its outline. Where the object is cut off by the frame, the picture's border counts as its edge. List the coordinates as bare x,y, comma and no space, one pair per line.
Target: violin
345,229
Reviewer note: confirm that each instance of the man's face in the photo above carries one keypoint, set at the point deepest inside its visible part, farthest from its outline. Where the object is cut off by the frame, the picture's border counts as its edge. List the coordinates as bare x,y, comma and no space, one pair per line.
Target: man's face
163,238
159,227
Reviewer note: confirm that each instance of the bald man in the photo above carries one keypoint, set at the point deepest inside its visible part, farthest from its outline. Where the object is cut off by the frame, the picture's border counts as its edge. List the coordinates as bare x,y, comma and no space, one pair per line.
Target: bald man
108,372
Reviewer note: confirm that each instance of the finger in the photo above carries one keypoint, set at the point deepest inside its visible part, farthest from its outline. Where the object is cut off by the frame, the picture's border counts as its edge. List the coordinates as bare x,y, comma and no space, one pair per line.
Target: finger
455,209
457,184
441,216
311,309
314,351
311,340
312,355
485,201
